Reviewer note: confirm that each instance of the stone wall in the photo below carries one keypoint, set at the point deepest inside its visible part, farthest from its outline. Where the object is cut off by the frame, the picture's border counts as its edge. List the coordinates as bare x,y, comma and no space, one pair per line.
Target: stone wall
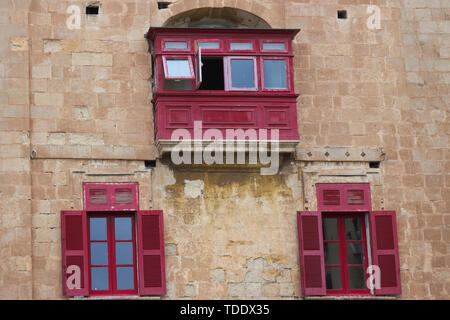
80,100
15,219
230,232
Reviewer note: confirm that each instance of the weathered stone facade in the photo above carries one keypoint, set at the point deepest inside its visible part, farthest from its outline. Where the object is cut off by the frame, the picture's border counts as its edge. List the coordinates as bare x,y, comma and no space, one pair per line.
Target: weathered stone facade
75,107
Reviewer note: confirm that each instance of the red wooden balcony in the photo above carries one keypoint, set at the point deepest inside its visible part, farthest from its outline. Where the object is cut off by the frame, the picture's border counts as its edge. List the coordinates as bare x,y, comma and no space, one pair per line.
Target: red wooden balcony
223,80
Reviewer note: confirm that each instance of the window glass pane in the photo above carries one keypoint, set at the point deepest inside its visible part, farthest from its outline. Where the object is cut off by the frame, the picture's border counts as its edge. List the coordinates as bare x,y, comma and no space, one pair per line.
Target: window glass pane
125,278
209,44
99,253
99,278
97,229
242,73
355,253
175,45
241,46
353,230
331,251
170,84
333,277
356,278
279,46
124,253
178,67
330,229
122,228
275,74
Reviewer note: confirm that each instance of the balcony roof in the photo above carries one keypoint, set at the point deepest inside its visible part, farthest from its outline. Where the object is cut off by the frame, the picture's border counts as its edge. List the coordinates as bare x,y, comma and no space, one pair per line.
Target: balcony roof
153,31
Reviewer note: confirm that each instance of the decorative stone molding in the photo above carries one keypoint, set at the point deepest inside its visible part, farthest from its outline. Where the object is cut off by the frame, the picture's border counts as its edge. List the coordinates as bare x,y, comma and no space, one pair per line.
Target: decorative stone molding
366,154
335,172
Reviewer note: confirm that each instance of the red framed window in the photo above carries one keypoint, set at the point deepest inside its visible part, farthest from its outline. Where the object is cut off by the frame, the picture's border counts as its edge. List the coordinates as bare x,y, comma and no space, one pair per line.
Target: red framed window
345,253
335,241
111,247
240,73
112,254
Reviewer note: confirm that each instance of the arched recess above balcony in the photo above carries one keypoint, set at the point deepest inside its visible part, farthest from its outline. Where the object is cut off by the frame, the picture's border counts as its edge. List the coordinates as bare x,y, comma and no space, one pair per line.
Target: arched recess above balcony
225,17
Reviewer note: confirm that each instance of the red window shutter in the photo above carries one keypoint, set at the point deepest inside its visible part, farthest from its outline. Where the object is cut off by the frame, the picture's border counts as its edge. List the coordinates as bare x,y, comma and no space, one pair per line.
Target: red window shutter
152,276
383,229
96,196
343,197
74,253
125,196
111,196
311,253
331,197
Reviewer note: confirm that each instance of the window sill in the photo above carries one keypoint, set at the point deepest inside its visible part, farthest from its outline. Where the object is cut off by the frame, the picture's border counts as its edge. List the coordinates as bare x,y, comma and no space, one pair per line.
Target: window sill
355,297
220,93
118,298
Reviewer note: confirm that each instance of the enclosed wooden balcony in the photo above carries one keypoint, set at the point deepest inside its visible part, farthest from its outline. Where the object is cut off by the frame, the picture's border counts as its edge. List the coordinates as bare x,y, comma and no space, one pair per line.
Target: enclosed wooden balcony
223,84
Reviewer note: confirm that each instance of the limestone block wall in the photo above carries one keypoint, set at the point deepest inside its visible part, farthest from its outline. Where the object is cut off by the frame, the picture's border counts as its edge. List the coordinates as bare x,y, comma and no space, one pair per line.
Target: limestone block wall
75,106
90,90
57,184
15,219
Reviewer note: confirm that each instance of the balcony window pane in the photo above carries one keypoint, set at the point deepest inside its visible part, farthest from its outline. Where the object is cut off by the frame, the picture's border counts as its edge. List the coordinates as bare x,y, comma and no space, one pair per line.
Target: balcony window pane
242,73
177,84
274,46
241,46
209,45
275,74
177,45
178,68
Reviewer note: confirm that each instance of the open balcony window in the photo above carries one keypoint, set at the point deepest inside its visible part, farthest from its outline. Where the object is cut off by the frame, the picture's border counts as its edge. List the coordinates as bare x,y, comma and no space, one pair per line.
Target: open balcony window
178,67
178,72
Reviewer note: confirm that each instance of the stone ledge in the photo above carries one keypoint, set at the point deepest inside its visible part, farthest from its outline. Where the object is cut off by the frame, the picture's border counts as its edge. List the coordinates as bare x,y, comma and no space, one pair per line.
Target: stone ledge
285,146
93,152
363,154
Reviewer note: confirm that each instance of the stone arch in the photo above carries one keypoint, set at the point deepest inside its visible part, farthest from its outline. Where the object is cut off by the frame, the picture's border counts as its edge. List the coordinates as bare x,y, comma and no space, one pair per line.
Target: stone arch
216,18
261,15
